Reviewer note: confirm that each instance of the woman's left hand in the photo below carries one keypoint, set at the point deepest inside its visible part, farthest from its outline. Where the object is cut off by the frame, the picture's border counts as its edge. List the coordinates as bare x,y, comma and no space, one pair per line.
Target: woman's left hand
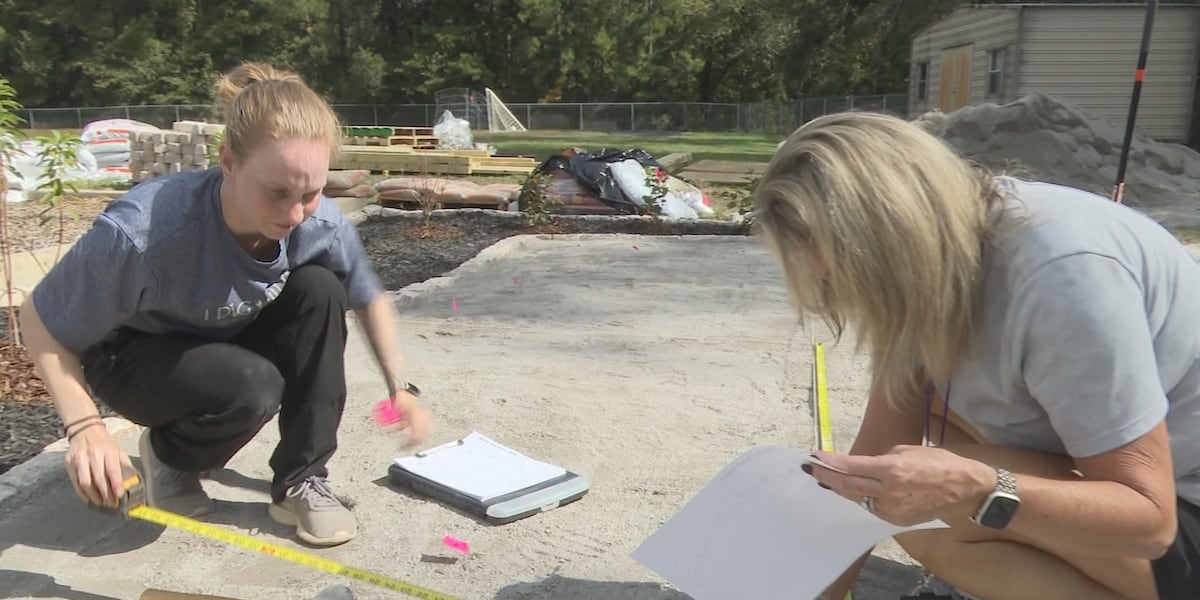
909,484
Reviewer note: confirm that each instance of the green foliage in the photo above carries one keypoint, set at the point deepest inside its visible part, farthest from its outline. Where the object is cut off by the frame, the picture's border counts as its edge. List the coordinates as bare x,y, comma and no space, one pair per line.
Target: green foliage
59,154
70,53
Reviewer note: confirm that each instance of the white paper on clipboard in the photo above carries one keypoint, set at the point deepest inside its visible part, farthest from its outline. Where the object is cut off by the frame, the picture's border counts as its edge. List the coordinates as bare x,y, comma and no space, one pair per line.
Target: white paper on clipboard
478,466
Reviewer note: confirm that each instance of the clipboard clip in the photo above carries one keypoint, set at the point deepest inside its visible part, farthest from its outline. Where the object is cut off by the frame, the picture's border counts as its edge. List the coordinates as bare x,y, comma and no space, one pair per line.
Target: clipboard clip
435,449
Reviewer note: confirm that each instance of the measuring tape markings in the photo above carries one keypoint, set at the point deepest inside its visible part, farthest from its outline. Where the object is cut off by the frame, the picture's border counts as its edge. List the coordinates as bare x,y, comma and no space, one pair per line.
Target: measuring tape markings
821,409
169,519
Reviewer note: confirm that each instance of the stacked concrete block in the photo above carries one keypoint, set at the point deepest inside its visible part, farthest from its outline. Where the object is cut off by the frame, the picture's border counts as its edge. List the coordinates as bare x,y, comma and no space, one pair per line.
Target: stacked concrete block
188,146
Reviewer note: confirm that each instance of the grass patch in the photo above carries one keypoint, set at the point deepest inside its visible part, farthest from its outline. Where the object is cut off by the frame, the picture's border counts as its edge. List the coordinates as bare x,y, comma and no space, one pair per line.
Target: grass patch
721,146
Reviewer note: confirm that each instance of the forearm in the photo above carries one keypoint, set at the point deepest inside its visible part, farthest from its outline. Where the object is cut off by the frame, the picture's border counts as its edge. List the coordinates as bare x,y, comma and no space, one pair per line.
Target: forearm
1081,517
58,367
379,323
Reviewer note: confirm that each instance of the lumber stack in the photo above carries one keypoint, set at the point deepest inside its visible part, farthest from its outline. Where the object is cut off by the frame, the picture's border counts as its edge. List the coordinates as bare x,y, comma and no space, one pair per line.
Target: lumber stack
405,159
189,146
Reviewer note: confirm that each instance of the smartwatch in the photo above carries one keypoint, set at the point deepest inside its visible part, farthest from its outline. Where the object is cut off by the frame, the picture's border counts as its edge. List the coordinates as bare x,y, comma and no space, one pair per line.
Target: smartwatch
1002,504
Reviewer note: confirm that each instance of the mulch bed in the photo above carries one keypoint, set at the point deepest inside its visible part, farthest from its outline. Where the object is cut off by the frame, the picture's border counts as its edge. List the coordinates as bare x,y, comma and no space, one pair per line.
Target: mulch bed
405,249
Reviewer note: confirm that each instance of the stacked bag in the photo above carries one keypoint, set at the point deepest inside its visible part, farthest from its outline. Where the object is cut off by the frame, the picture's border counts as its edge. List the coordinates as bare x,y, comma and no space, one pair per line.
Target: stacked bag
348,184
110,142
401,191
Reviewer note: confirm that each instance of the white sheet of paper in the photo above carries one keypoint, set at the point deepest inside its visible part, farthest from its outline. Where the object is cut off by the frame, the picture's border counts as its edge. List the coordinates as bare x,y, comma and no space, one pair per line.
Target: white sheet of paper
479,466
763,529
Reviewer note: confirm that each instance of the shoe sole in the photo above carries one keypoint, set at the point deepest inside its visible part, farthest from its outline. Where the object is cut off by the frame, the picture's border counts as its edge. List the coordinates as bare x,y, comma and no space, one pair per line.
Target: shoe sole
284,516
148,485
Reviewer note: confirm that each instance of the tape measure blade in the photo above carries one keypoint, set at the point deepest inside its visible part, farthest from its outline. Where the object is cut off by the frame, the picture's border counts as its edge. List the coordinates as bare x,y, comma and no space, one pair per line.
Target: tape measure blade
169,519
825,431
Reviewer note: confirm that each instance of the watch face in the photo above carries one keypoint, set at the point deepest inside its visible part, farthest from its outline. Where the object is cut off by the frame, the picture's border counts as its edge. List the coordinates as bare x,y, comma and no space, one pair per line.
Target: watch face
999,511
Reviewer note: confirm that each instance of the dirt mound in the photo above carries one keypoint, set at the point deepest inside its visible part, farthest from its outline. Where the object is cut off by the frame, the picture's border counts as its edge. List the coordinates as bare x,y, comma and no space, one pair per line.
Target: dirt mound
1042,137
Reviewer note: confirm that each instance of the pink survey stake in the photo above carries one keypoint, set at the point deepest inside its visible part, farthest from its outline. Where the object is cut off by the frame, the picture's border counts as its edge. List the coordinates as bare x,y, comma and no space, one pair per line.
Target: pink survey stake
386,413
456,543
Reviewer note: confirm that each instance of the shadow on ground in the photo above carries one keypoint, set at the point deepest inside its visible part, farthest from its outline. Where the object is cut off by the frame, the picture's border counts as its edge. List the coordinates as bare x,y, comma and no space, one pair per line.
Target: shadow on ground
881,579
566,588
22,584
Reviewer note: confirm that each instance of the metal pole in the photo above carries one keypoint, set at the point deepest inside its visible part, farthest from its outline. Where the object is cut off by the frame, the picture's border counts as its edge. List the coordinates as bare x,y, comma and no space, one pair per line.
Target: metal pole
1138,76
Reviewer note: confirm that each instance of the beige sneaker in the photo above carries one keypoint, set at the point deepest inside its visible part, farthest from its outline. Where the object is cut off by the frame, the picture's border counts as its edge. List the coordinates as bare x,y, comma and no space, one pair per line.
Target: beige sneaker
170,489
318,515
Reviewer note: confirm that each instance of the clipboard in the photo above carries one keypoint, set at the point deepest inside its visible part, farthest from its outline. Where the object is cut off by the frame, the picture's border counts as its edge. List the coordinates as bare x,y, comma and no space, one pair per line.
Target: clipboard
487,479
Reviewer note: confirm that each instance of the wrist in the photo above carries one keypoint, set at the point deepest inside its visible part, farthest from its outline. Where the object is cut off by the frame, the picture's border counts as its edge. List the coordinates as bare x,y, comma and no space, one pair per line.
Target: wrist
982,480
397,387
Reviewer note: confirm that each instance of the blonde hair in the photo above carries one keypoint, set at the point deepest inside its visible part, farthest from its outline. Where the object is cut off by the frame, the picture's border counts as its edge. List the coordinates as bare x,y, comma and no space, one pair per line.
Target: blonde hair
260,102
881,225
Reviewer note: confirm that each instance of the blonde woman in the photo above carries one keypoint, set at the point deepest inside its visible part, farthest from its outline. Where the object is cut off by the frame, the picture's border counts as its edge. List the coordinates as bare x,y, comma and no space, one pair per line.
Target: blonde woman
1036,355
202,304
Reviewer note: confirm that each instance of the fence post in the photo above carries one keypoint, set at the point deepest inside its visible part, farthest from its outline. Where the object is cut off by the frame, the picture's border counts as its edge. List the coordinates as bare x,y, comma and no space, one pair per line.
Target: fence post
581,116
79,118
375,114
632,120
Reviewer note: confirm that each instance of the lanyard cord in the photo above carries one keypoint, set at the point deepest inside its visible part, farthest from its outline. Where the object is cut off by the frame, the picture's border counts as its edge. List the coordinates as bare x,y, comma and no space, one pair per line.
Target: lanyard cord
929,389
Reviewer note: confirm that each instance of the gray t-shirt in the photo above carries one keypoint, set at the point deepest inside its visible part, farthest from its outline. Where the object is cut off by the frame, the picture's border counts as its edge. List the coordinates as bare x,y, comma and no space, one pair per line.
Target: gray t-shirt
160,259
1090,333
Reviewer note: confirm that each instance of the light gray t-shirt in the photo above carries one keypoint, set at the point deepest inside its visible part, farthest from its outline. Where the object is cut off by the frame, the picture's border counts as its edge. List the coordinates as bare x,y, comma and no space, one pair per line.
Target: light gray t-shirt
1090,333
160,259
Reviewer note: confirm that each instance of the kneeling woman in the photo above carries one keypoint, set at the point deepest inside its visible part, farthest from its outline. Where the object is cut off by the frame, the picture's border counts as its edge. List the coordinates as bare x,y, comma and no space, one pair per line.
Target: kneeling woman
201,304
1036,356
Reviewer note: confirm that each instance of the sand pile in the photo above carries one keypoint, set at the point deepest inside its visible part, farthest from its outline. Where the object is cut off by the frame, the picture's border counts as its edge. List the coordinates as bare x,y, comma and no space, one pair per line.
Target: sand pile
1042,137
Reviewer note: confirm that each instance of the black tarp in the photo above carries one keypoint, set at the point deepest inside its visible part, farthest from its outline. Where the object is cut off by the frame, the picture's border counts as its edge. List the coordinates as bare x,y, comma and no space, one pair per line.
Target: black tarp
590,169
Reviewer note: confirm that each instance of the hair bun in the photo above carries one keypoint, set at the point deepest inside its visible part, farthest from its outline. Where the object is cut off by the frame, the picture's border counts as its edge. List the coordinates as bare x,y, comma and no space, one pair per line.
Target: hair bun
242,76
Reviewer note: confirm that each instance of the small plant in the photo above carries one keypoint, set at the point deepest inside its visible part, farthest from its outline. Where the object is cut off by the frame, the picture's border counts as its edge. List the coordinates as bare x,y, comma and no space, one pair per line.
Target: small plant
58,154
9,149
534,199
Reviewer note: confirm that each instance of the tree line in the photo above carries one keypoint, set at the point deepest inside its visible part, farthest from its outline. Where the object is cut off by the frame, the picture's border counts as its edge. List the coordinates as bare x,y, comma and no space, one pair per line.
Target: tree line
86,53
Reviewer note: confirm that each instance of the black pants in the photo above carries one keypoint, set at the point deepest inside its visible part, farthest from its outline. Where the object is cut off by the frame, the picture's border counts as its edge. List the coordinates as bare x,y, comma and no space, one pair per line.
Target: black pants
204,400
1177,573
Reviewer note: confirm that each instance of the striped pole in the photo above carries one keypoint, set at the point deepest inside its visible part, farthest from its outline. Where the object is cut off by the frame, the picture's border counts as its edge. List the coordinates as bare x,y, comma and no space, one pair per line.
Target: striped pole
1138,77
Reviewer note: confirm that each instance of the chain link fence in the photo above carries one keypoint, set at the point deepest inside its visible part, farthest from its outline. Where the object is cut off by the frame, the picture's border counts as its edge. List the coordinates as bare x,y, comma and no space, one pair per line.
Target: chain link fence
759,117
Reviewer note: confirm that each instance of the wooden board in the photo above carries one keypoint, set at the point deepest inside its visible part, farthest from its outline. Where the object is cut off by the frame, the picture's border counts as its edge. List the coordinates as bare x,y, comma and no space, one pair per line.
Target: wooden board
403,159
701,177
675,161
737,167
396,162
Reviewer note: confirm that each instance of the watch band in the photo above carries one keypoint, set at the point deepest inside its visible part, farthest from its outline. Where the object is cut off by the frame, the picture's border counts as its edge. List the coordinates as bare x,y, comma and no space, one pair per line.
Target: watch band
1005,482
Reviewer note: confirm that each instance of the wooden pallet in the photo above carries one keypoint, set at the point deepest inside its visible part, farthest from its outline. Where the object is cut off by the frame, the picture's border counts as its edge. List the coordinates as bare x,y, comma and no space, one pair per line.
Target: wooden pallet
418,142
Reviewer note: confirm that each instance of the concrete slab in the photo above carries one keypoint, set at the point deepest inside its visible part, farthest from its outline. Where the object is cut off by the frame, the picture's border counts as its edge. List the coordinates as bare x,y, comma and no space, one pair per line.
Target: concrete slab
645,364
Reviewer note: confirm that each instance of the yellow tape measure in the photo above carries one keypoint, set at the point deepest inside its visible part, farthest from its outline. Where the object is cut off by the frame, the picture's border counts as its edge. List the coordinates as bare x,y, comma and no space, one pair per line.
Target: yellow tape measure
824,427
821,408
169,519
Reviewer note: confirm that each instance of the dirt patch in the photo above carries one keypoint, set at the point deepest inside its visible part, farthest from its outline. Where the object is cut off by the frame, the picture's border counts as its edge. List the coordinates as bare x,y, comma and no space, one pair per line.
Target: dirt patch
393,239
30,229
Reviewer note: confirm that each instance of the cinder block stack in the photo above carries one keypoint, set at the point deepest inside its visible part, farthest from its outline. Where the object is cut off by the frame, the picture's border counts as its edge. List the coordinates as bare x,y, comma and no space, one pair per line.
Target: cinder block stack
189,146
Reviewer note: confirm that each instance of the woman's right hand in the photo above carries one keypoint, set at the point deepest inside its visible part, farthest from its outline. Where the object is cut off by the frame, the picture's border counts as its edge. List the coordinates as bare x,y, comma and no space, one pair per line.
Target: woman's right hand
94,462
